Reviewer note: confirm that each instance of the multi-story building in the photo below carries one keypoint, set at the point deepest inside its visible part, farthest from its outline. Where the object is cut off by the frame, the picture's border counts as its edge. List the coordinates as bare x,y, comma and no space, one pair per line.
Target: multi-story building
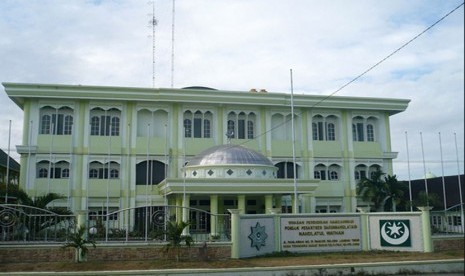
126,147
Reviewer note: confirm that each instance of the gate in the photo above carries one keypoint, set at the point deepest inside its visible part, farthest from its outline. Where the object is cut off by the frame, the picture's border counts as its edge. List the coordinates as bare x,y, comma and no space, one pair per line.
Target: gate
21,223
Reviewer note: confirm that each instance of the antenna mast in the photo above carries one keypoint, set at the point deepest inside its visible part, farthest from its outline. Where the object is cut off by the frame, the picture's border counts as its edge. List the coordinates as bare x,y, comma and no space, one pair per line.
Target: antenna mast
172,44
153,23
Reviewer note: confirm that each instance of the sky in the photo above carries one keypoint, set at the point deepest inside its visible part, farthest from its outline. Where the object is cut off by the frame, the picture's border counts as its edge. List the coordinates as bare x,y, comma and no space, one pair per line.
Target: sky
244,44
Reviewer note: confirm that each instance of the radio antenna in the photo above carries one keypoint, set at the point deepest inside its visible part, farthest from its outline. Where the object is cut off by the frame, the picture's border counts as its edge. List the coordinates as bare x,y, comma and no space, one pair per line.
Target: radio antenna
153,23
172,43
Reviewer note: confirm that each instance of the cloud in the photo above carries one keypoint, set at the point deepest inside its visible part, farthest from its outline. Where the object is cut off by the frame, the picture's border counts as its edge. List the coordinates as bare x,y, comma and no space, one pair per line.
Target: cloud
238,45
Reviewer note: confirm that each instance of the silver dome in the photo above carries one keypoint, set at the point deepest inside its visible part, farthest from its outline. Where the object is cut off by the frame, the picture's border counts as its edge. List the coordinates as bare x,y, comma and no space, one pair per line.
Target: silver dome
229,155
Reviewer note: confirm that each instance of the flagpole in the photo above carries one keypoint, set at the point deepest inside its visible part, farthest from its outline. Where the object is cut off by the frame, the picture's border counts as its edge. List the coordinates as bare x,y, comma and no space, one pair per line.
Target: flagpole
147,184
424,169
458,176
442,170
296,211
8,164
108,183
408,169
28,177
69,168
50,157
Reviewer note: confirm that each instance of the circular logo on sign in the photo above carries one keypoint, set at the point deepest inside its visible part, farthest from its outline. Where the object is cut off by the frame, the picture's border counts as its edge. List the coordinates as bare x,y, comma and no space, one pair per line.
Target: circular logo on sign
395,232
258,236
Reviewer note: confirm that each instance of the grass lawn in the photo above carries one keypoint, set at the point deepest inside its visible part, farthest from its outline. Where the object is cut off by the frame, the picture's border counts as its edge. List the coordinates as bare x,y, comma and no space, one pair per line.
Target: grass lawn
282,259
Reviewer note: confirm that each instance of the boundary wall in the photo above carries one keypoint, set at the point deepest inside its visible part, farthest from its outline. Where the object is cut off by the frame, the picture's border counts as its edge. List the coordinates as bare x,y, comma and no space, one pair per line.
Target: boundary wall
256,235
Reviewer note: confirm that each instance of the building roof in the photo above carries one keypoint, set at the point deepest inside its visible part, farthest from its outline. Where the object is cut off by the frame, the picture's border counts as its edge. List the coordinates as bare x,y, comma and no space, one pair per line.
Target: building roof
14,166
229,155
21,92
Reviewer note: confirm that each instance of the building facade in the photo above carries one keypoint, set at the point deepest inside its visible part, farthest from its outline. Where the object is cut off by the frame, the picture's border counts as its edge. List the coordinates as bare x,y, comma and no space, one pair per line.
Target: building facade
123,147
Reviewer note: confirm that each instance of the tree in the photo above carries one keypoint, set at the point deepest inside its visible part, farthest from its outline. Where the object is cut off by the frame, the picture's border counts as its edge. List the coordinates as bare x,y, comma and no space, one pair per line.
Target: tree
41,202
424,199
175,237
381,190
78,241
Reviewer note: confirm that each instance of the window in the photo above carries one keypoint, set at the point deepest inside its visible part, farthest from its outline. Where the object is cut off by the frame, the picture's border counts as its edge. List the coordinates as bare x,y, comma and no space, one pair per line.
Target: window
286,170
68,125
114,174
370,133
363,130
43,173
360,172
187,128
241,125
324,128
331,136
56,170
93,173
65,173
150,172
105,122
56,121
45,124
333,175
197,125
319,172
98,170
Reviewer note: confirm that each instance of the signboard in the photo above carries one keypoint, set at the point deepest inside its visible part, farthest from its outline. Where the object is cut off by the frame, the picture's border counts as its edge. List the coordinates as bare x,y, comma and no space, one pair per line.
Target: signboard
316,234
398,233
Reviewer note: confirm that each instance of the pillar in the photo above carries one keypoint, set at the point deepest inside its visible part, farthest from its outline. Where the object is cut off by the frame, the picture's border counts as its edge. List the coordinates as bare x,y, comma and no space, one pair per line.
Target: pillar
214,215
178,208
279,202
426,225
235,232
364,225
241,203
307,203
268,203
185,212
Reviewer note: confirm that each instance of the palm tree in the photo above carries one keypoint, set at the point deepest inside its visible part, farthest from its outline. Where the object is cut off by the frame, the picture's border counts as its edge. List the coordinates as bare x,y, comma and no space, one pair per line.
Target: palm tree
78,241
395,192
40,202
380,190
174,236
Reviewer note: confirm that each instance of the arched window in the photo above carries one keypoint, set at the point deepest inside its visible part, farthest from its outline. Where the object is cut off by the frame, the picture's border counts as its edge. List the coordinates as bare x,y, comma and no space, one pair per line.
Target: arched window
358,133
43,173
154,170
250,130
115,126
360,172
324,128
114,173
331,135
56,121
370,133
68,125
187,128
197,124
241,125
333,175
105,122
45,124
94,125
206,128
93,173
231,127
320,172
286,170
65,173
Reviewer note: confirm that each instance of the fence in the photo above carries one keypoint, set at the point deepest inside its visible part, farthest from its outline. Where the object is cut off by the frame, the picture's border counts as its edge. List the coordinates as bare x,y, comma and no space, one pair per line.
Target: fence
19,223
448,222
